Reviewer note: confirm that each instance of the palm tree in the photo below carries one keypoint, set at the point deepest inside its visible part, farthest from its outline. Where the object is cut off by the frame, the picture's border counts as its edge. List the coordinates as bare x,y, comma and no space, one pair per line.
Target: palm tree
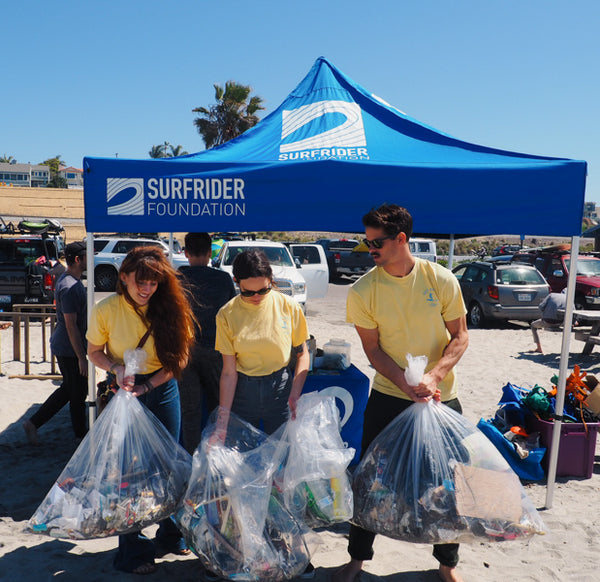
176,151
7,159
231,116
166,150
157,151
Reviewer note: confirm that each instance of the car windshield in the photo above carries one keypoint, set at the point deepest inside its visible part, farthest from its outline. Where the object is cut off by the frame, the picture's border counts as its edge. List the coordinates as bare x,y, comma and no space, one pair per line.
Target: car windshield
586,267
519,276
276,255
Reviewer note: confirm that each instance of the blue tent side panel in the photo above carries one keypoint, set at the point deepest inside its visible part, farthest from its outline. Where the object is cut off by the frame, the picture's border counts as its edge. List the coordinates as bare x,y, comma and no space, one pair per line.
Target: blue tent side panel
329,153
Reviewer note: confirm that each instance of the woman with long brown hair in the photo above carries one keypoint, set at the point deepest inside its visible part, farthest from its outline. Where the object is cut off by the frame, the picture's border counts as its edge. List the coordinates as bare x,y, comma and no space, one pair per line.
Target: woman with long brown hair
149,310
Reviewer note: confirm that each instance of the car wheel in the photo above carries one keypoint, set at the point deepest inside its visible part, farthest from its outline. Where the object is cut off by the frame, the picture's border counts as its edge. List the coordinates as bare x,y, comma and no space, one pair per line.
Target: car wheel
105,278
475,315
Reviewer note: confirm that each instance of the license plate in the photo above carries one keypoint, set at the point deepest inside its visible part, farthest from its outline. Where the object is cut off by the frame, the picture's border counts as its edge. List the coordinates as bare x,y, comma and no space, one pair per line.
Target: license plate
5,299
523,297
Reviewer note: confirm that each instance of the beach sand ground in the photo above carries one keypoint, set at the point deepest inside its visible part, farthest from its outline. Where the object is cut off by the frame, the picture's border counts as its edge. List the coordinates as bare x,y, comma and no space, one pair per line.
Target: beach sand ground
568,551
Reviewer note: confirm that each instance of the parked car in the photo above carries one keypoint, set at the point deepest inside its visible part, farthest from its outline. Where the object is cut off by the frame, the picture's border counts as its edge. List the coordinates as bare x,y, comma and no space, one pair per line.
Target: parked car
109,252
313,264
501,291
29,265
424,248
554,264
506,250
287,273
346,256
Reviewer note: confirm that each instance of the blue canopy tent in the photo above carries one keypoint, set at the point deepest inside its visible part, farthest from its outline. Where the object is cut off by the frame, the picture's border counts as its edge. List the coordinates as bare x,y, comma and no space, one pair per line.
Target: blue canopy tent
327,154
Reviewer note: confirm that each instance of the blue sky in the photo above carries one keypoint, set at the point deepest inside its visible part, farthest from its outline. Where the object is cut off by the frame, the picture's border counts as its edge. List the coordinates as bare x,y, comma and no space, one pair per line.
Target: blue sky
116,77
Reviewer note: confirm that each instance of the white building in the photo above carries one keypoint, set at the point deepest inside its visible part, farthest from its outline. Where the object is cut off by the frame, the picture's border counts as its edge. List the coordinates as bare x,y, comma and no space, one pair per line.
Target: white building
27,175
73,176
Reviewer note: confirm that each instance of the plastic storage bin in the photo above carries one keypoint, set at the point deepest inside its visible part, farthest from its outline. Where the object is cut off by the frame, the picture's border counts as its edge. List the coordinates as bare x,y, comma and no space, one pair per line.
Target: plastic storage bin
576,451
336,355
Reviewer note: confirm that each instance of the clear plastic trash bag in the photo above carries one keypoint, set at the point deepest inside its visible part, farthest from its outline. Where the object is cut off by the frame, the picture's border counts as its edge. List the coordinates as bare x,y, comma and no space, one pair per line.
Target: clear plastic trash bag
127,473
230,518
313,479
432,477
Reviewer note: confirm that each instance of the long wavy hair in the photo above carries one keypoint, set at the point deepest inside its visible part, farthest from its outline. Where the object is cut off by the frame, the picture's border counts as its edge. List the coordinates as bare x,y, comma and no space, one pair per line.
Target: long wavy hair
169,313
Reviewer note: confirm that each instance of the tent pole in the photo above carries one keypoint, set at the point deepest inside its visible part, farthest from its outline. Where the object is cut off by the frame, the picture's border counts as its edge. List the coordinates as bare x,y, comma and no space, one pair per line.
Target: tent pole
89,249
171,247
562,374
451,252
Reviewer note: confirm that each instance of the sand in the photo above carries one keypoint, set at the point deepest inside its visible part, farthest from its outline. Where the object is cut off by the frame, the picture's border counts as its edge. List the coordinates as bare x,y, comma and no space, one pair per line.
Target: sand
495,356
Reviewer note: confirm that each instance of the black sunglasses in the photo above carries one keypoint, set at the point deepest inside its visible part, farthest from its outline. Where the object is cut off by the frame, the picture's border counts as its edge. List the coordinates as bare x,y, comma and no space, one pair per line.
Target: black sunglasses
377,243
262,291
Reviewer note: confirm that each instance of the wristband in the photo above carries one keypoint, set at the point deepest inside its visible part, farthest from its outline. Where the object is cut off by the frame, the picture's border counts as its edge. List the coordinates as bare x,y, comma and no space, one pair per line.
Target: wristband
148,386
112,368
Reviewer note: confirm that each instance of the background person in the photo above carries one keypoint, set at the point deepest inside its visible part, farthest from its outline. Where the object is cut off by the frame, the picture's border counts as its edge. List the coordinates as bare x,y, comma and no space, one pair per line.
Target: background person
68,346
404,305
210,289
149,310
550,319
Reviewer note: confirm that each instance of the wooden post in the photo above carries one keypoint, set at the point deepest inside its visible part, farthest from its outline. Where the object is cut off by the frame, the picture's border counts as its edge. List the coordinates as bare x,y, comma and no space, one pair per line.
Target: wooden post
27,344
17,337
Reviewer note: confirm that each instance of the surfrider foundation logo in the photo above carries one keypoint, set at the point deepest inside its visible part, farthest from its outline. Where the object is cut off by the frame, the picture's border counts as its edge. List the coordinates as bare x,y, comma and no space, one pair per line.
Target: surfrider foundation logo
133,205
317,137
175,197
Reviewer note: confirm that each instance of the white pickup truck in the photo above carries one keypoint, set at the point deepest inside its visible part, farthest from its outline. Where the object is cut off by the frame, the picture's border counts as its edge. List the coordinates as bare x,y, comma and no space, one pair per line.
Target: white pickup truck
303,276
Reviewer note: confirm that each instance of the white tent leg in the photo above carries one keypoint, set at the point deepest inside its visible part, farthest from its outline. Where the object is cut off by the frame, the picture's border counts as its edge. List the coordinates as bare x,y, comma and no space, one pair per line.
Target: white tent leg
451,252
562,374
89,249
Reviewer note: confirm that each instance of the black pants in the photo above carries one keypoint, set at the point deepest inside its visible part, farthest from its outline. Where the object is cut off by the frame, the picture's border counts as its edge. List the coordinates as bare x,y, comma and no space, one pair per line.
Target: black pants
380,411
198,387
72,391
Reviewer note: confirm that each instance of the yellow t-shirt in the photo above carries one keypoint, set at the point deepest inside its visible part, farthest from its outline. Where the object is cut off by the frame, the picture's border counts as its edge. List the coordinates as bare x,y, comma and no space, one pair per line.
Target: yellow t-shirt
260,336
114,323
410,314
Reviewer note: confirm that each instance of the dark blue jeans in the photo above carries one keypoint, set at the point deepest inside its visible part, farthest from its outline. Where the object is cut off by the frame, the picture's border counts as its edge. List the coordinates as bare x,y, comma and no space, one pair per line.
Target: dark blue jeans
135,548
263,400
380,411
72,391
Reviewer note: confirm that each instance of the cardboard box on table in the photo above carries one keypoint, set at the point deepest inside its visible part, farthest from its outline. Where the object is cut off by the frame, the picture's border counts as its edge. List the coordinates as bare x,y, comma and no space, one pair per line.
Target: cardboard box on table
593,400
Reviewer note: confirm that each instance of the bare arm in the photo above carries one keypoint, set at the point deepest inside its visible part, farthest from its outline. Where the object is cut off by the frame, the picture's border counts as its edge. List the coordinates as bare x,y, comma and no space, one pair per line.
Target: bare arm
97,355
228,382
382,362
76,341
300,373
386,366
227,387
459,340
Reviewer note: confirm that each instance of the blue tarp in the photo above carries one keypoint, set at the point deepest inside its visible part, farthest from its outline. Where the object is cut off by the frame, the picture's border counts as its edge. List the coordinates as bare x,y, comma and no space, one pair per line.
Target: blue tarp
329,153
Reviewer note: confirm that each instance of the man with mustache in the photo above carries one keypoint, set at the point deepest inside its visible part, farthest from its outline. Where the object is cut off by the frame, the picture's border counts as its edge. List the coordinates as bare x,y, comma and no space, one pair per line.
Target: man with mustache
404,305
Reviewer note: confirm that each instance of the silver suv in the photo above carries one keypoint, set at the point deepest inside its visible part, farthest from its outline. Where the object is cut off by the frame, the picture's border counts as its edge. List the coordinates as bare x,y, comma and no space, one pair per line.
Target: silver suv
501,291
109,253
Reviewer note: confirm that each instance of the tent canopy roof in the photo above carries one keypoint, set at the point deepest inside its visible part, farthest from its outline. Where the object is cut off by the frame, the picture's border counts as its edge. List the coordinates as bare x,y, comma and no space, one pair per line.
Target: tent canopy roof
324,157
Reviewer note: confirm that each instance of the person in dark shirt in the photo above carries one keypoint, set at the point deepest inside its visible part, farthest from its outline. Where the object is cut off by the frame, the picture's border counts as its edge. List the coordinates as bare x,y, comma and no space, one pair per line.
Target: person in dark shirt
210,289
69,346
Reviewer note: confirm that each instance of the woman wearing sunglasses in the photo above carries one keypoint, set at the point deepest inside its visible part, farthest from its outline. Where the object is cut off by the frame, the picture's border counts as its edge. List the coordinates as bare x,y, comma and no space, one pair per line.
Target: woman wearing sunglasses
256,332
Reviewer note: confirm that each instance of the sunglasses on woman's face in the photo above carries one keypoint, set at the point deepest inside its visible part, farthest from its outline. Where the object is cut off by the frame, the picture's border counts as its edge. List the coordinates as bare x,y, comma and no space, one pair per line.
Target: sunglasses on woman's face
262,291
377,243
